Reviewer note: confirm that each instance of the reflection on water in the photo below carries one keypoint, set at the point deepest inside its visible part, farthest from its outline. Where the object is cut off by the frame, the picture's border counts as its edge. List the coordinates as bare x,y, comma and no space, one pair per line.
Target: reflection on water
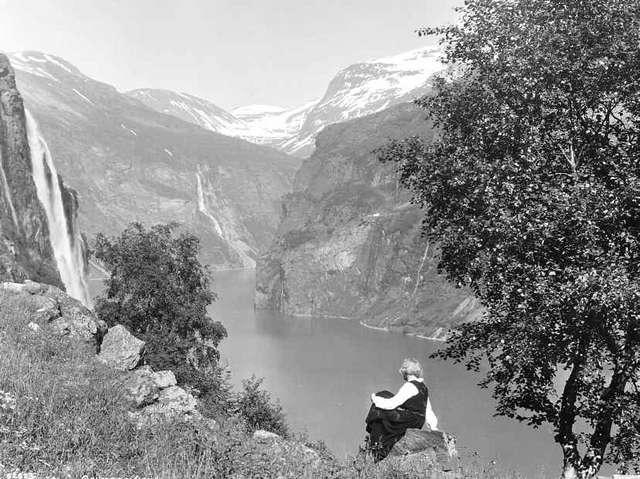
324,370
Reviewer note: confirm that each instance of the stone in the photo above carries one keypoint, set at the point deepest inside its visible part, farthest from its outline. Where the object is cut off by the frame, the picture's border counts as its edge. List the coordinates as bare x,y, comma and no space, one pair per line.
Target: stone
35,327
440,444
45,309
174,403
141,388
262,435
177,399
32,287
164,379
120,349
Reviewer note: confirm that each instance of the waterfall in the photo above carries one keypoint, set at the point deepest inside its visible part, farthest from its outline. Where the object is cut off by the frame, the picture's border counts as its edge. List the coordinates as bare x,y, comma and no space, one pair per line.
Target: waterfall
202,207
66,241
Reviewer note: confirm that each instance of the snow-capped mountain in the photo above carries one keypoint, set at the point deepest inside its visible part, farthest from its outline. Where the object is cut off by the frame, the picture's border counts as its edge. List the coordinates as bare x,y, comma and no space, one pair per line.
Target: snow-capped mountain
356,91
260,124
190,108
130,163
365,88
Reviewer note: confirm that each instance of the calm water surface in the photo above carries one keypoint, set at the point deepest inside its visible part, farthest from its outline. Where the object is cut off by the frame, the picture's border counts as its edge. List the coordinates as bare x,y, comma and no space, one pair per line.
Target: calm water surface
323,371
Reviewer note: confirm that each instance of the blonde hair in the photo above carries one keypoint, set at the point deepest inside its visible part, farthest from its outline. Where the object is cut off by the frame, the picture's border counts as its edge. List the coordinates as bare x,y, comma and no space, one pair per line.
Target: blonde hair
411,367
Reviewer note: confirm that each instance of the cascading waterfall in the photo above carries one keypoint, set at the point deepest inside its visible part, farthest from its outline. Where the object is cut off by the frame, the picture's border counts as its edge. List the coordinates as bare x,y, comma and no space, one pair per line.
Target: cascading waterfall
66,242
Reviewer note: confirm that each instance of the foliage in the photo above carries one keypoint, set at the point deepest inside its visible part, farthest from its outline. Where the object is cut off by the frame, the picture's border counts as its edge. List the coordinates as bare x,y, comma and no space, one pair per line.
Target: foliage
256,407
533,191
160,291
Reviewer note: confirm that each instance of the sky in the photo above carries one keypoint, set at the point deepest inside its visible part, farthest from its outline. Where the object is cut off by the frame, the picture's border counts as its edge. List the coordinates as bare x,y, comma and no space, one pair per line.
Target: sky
232,52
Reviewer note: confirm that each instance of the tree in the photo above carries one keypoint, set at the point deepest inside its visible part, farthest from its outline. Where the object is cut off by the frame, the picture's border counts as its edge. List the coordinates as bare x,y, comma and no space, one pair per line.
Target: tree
532,189
160,291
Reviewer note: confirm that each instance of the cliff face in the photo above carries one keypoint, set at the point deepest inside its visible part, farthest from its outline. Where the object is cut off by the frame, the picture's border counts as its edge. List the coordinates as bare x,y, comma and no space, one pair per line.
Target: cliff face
25,249
349,242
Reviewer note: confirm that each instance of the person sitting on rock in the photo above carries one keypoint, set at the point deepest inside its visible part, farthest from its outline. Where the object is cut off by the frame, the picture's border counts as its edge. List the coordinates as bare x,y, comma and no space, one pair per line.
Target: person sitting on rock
391,415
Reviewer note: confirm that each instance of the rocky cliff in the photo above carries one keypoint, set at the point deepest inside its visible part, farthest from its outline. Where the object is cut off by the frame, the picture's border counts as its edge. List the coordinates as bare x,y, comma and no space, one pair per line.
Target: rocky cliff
25,247
349,242
131,163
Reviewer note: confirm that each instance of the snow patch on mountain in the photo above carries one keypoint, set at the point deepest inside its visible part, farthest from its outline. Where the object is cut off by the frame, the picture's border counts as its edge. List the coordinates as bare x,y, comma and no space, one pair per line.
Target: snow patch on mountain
257,110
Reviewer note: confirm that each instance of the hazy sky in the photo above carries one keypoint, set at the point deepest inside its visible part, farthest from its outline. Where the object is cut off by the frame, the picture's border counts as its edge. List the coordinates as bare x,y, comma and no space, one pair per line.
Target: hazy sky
233,52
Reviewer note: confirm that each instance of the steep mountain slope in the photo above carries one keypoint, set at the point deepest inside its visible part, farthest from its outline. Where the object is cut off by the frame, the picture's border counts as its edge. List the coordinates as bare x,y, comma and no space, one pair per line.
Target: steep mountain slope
349,242
192,109
365,88
25,250
39,235
131,163
358,90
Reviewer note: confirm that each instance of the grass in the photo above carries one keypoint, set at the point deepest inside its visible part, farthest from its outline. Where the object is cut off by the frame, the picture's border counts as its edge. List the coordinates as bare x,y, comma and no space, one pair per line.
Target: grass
63,414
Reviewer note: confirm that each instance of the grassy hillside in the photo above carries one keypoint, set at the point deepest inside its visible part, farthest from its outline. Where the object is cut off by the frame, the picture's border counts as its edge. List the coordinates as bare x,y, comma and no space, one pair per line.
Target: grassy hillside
64,414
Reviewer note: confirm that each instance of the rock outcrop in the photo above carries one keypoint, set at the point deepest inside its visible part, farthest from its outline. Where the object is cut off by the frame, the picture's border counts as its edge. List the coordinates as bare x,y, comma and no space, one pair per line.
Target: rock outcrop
156,397
25,250
349,242
49,306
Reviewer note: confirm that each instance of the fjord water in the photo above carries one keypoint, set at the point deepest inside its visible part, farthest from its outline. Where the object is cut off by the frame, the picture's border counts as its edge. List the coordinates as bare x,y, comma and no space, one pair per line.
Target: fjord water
324,371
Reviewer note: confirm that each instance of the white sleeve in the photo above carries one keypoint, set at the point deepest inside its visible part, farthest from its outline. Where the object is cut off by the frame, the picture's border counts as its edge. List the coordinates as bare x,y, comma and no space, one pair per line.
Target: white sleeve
430,417
407,391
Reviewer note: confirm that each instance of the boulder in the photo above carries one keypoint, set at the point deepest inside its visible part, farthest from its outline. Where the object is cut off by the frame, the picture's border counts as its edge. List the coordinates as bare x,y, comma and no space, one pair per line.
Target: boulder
143,385
174,403
176,399
32,287
438,444
164,379
120,349
141,388
76,320
44,309
47,305
265,436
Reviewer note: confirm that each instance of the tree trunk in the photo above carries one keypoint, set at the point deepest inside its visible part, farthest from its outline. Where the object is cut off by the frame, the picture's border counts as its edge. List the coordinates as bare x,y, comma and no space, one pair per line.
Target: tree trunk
575,467
569,472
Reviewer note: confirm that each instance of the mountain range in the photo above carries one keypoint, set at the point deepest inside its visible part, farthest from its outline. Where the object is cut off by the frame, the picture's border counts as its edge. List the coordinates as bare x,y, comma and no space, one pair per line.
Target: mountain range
357,90
130,163
155,155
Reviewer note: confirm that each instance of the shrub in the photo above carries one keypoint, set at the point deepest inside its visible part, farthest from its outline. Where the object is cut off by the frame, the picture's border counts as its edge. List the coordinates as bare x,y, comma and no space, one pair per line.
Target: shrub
159,290
256,407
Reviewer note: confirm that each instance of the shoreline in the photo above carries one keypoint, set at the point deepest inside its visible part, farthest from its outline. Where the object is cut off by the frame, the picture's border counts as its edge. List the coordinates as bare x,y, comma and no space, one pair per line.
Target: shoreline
413,334
416,335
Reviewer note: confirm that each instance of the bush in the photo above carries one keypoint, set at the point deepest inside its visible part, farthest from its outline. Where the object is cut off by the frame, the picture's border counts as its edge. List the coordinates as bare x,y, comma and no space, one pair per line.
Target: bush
256,407
160,291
